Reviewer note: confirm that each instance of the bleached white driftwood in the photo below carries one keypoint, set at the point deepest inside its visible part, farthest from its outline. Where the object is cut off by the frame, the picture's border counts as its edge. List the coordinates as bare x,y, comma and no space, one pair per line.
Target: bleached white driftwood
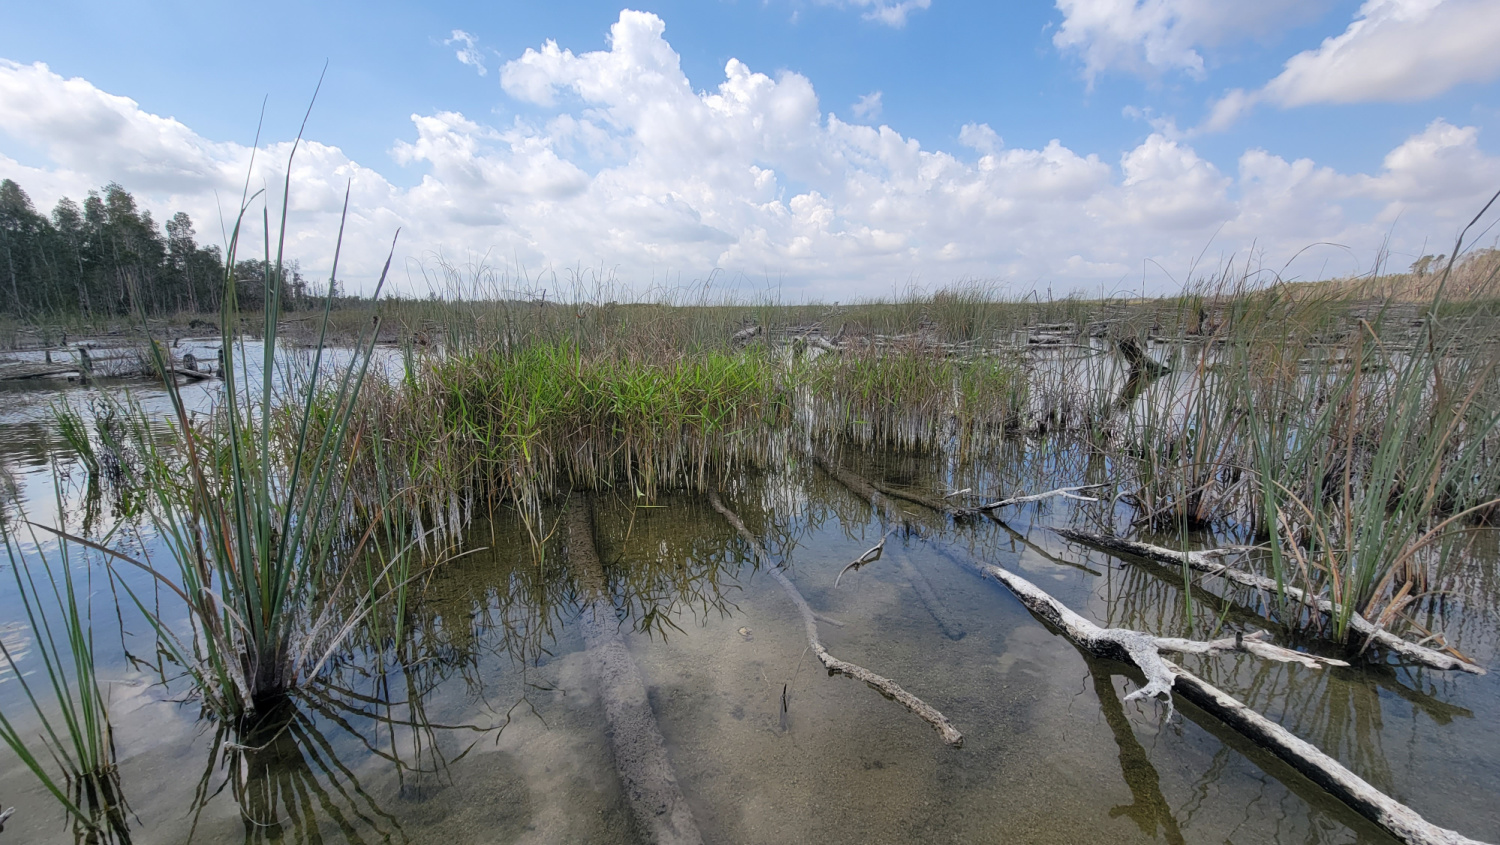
1255,644
885,686
1163,676
1065,492
1208,561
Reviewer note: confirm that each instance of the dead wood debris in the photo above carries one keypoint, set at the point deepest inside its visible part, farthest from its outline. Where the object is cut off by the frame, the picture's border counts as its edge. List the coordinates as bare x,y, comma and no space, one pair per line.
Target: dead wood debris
1209,562
885,686
1163,676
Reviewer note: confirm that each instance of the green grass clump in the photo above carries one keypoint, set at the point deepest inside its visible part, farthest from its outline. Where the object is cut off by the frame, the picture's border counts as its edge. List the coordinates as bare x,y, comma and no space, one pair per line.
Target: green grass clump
913,399
252,504
526,425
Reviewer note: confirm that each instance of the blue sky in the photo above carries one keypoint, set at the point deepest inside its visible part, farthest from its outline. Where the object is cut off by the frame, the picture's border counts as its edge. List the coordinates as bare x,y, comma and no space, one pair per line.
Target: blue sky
1105,138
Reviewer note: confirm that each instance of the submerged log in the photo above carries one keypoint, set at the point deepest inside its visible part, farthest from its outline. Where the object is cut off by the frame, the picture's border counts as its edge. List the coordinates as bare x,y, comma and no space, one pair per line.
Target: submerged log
885,686
1163,677
936,607
1207,562
640,752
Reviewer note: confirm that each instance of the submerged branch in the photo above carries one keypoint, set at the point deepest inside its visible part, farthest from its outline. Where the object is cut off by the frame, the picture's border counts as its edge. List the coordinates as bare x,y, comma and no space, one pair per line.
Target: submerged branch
942,506
1205,561
885,686
871,555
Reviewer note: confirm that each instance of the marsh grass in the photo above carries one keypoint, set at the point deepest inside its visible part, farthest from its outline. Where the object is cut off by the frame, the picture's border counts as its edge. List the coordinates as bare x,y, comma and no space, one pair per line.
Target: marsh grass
254,522
520,426
71,710
1354,438
74,431
912,399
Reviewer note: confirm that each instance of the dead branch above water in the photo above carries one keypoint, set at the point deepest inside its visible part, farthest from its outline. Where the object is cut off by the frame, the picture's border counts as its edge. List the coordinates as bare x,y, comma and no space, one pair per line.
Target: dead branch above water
885,686
875,492
1206,561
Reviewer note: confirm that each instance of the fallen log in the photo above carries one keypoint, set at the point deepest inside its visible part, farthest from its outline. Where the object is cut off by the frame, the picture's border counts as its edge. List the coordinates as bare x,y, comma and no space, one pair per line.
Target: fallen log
885,686
858,485
640,752
1381,674
192,375
1163,676
1048,556
1207,562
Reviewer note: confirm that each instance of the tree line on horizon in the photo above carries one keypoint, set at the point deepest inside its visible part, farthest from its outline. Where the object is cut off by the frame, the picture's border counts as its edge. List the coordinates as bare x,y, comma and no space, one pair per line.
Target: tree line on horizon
108,257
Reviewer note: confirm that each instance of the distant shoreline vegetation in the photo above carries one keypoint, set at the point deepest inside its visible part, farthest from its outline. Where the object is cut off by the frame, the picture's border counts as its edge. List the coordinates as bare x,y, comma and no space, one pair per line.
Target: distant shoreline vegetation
108,258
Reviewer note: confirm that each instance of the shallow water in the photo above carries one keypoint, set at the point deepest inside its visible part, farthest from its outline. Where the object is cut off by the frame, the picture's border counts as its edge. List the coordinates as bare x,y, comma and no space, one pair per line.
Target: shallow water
483,726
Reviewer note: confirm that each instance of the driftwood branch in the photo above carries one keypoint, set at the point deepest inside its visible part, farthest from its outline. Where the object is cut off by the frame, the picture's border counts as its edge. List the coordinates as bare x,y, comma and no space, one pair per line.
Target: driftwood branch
1255,644
1208,562
885,686
640,751
947,507
871,555
1163,676
1065,492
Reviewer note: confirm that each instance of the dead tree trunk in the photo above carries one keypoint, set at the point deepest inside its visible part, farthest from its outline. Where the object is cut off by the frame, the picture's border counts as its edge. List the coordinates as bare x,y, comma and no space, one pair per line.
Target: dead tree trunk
1141,364
640,752
1163,677
1207,562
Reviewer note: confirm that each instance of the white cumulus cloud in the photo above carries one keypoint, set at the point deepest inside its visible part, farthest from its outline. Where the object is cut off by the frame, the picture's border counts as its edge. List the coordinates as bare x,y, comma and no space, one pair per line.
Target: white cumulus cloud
1150,37
892,13
626,165
980,138
1394,50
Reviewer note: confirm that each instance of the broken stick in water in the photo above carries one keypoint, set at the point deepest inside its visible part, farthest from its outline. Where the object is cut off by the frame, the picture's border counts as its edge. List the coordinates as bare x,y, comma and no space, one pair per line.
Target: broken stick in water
1208,562
885,686
1064,492
871,555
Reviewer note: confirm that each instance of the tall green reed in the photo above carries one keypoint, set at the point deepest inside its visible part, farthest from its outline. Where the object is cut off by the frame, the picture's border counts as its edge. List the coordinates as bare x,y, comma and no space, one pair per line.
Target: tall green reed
71,711
256,529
